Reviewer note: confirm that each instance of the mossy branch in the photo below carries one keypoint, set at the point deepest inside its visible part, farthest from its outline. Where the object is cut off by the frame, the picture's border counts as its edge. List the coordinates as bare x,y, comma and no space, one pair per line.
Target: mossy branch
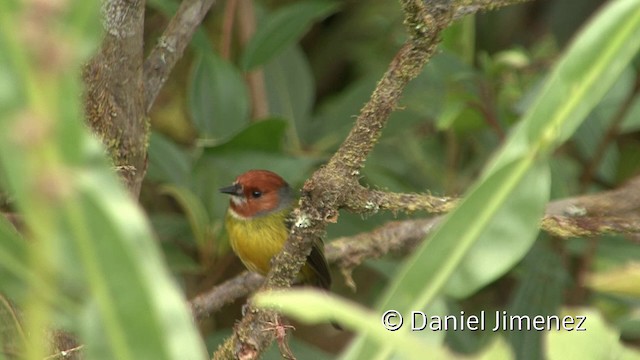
332,187
121,86
114,98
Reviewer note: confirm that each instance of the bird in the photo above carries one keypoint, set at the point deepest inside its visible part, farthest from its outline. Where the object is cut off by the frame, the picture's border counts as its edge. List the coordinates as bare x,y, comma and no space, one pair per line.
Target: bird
258,222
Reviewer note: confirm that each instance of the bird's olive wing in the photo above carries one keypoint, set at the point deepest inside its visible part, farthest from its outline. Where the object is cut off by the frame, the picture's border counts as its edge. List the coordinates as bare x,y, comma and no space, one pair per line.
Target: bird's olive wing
318,264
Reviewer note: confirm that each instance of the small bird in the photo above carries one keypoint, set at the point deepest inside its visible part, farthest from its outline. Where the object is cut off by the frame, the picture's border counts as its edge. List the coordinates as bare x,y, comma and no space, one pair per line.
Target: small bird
258,222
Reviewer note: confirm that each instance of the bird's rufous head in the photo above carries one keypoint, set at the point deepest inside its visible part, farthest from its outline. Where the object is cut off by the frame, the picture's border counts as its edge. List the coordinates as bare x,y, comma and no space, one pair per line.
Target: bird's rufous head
258,192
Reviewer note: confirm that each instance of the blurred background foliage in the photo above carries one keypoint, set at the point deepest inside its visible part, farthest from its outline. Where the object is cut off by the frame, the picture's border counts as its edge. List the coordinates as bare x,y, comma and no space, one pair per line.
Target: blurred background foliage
276,84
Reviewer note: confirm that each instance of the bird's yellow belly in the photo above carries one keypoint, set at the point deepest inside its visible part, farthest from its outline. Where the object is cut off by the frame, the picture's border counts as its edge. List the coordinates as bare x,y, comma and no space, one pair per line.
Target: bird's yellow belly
256,241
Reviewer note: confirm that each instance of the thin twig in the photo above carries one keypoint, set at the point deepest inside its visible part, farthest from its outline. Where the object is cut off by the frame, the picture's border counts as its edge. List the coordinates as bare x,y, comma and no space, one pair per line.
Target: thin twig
64,353
171,46
225,293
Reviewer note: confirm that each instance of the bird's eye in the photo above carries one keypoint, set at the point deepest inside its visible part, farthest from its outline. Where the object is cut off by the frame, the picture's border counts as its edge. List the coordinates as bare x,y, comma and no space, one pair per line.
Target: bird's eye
256,194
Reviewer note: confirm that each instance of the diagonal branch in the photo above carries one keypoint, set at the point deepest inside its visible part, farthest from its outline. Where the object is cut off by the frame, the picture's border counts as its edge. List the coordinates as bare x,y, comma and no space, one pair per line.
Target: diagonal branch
171,46
332,186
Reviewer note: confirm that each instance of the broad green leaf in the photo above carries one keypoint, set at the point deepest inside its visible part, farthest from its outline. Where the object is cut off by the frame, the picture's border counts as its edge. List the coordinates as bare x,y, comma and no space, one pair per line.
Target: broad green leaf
290,90
624,280
507,237
598,341
195,211
167,161
299,348
218,99
133,308
281,29
460,38
262,136
498,349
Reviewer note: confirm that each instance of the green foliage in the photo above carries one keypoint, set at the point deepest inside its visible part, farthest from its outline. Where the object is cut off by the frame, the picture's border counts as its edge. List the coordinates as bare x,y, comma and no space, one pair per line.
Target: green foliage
88,263
283,28
600,342
218,97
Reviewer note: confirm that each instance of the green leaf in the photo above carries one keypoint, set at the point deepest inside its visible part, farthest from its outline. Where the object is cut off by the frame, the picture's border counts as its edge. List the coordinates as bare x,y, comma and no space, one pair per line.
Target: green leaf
179,262
333,120
498,349
88,244
167,7
261,136
428,269
282,29
14,271
167,161
598,341
195,210
507,237
624,280
591,65
610,41
631,121
290,90
320,306
218,99
539,291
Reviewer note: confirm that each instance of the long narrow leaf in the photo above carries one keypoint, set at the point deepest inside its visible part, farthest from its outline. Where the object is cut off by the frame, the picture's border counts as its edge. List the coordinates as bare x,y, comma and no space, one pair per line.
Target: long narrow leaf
610,40
86,238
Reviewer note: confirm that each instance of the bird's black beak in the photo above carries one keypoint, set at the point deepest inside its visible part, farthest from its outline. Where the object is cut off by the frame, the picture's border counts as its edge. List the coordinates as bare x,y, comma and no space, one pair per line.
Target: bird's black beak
234,189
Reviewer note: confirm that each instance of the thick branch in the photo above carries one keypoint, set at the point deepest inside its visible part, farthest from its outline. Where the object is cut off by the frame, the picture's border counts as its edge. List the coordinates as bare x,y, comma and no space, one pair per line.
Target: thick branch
615,211
171,46
114,102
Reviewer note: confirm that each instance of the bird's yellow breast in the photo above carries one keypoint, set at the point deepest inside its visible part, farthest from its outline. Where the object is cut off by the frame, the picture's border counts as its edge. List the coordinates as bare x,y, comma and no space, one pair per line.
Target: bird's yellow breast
256,240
